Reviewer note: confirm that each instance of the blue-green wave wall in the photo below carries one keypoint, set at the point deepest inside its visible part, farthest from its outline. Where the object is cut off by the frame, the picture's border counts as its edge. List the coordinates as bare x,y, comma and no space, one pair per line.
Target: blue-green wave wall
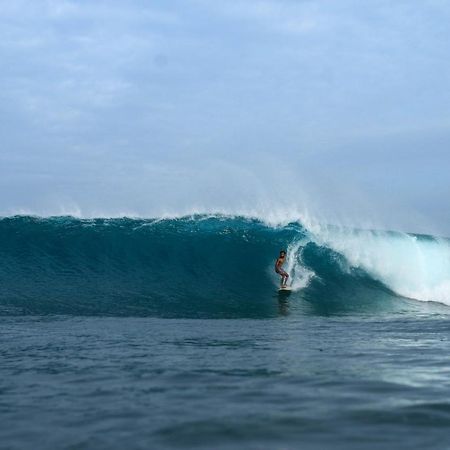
197,266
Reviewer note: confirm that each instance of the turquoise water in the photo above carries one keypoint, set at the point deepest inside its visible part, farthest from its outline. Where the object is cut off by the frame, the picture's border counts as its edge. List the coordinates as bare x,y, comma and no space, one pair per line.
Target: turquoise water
128,333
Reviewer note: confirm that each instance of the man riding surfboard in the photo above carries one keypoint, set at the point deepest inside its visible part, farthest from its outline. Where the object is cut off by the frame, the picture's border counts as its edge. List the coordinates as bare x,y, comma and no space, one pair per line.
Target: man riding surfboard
279,269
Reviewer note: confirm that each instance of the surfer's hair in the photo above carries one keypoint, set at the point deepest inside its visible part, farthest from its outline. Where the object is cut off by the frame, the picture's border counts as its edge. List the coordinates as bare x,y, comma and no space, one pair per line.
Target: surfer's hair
282,251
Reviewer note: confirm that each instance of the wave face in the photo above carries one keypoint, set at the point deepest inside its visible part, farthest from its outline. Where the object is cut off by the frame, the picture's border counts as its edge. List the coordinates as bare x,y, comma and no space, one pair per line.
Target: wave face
209,266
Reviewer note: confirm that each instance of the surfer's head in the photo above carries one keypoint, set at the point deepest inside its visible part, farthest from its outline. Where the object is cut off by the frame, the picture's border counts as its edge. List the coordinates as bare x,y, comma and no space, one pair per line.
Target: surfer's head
283,253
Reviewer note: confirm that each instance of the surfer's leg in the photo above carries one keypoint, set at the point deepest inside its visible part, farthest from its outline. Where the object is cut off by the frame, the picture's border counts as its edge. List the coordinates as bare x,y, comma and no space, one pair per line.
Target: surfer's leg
285,278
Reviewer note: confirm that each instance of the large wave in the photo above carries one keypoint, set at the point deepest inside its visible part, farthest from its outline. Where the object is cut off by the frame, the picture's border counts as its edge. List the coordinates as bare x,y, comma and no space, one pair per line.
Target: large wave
208,266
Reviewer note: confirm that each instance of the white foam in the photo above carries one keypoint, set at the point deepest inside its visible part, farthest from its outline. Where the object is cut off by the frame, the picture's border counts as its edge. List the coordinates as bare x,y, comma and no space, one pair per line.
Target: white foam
299,274
411,266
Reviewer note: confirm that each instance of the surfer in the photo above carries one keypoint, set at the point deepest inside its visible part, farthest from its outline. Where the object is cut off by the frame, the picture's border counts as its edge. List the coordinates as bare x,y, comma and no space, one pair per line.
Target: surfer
279,270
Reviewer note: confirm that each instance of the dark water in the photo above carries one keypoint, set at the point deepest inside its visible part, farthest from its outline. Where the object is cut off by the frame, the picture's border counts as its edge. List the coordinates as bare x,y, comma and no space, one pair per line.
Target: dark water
142,334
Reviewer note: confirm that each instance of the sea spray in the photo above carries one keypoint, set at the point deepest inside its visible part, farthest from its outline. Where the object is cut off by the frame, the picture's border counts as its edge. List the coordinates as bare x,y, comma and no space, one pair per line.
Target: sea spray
300,275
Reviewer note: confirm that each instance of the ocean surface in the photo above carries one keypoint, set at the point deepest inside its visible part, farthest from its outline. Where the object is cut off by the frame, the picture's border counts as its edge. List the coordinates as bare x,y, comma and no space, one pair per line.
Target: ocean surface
171,333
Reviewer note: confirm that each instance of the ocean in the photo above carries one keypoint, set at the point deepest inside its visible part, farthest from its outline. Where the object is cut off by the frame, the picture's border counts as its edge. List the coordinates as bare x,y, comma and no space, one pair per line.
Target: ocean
171,333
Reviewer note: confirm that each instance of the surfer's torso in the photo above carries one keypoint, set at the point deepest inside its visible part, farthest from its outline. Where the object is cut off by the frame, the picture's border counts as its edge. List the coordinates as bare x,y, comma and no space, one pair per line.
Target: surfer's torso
279,264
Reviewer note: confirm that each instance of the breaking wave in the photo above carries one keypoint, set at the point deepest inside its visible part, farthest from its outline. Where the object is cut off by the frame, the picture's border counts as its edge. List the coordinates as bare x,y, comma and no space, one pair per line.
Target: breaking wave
209,266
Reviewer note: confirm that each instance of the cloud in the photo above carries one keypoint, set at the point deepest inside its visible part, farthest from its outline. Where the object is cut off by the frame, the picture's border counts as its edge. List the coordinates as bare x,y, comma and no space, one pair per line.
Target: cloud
66,60
280,16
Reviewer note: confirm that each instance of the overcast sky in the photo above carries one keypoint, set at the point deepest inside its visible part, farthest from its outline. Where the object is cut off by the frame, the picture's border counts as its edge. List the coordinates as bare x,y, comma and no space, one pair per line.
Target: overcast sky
337,108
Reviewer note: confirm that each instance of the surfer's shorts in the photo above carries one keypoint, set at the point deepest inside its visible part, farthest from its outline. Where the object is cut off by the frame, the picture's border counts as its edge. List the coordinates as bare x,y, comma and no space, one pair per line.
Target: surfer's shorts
282,273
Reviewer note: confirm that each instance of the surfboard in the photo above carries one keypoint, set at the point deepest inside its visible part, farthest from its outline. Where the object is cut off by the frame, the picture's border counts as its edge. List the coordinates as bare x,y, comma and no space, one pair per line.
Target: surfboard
286,290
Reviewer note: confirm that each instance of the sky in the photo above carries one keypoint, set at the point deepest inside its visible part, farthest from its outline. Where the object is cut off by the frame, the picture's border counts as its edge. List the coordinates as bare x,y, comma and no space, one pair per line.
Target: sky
338,110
